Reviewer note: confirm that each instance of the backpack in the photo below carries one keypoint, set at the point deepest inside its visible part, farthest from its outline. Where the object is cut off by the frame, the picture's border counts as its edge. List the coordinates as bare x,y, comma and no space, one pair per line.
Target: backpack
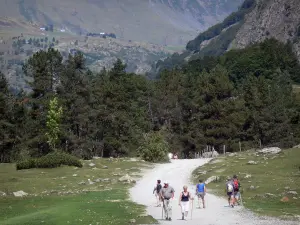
229,187
236,184
158,187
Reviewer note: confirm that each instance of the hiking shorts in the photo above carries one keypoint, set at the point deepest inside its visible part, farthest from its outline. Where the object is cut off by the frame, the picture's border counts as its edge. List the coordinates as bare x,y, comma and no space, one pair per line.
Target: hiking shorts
201,195
230,194
237,194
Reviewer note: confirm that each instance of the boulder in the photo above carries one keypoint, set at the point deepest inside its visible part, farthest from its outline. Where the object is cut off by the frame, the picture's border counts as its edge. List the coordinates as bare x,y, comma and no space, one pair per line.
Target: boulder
272,150
202,172
251,162
132,221
248,176
292,192
104,167
20,193
92,164
90,182
126,178
81,183
211,179
2,194
75,175
252,187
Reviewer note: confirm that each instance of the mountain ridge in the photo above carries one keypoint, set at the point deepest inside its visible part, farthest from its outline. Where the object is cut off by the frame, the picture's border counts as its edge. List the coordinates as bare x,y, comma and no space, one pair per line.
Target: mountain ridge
170,22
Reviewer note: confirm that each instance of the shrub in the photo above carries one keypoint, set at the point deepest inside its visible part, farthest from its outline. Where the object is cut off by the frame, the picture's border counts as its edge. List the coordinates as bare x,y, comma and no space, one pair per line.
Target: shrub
52,160
154,148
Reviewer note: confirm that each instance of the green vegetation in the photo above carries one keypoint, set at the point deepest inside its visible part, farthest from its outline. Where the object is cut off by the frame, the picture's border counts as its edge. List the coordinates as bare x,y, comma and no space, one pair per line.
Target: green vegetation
263,185
243,96
53,122
57,195
154,148
51,160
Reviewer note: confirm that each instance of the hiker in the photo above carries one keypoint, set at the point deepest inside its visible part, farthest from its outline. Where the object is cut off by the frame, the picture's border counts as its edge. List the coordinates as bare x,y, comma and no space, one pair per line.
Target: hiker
184,201
166,194
156,191
200,192
230,192
236,189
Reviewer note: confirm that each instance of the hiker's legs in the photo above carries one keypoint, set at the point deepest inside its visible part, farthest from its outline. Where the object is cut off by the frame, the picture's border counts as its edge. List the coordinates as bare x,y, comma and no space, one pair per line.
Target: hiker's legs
165,207
184,209
203,201
168,208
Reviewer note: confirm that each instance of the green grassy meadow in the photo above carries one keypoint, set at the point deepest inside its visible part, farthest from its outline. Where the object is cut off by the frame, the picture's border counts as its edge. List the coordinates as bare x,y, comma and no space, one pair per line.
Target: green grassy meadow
65,196
264,185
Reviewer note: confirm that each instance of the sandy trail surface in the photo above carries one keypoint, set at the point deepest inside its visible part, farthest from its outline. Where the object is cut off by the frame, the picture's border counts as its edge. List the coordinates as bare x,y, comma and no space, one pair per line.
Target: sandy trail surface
178,174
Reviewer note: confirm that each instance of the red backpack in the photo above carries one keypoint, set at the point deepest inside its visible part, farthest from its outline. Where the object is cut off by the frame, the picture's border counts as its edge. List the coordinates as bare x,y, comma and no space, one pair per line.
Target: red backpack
236,185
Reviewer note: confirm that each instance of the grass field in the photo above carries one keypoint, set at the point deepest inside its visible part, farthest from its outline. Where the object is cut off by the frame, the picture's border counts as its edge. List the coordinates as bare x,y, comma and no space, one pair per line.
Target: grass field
264,184
65,196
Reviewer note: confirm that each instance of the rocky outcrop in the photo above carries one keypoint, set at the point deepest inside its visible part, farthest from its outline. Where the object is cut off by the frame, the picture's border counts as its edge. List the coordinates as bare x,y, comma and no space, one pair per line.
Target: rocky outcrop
279,19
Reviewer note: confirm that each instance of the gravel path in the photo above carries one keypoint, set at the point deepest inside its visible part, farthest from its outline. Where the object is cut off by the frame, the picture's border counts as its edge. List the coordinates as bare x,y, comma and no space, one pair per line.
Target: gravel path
178,173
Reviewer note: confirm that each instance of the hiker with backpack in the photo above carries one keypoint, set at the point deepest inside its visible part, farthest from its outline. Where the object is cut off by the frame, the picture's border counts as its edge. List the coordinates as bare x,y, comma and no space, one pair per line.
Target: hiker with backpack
236,189
201,192
156,191
184,201
167,194
230,192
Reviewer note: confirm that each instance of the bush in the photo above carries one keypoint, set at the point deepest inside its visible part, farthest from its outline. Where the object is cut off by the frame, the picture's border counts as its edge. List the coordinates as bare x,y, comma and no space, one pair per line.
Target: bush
154,148
52,160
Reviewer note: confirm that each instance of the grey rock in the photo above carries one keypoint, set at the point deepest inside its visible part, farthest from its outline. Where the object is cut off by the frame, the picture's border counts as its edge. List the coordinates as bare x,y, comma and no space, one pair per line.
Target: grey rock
81,183
20,194
74,175
251,162
2,193
211,179
90,182
292,192
252,187
92,164
202,172
132,221
127,178
272,150
104,167
248,176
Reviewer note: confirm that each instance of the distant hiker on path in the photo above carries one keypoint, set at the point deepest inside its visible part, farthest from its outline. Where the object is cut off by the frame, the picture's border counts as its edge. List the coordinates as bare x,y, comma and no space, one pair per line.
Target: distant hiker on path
201,192
166,194
230,192
184,201
236,189
156,191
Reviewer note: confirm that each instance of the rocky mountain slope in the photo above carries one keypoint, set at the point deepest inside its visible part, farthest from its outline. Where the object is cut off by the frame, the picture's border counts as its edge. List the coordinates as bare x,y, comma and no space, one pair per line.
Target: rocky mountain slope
279,19
171,22
255,21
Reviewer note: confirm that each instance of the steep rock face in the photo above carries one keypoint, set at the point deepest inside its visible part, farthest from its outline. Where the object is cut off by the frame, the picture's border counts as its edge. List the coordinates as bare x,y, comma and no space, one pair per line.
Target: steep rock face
279,19
171,22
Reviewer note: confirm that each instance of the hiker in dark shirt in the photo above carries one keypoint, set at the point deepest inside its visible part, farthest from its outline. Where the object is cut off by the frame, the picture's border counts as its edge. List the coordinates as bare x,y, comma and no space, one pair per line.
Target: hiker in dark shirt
156,191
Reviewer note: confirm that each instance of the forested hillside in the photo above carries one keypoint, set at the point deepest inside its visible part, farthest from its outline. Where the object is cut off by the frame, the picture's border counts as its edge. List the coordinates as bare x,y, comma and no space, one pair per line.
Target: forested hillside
245,95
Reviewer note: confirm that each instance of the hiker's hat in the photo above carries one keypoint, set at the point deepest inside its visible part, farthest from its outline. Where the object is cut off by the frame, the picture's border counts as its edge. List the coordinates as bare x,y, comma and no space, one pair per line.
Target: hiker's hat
166,182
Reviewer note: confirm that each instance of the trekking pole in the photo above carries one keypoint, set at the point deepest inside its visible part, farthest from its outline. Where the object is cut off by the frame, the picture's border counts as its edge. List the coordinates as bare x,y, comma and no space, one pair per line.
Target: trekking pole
241,200
162,210
192,209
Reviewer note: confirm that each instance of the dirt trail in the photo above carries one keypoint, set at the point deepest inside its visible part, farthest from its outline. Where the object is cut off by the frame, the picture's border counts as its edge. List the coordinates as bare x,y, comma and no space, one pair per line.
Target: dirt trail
178,173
